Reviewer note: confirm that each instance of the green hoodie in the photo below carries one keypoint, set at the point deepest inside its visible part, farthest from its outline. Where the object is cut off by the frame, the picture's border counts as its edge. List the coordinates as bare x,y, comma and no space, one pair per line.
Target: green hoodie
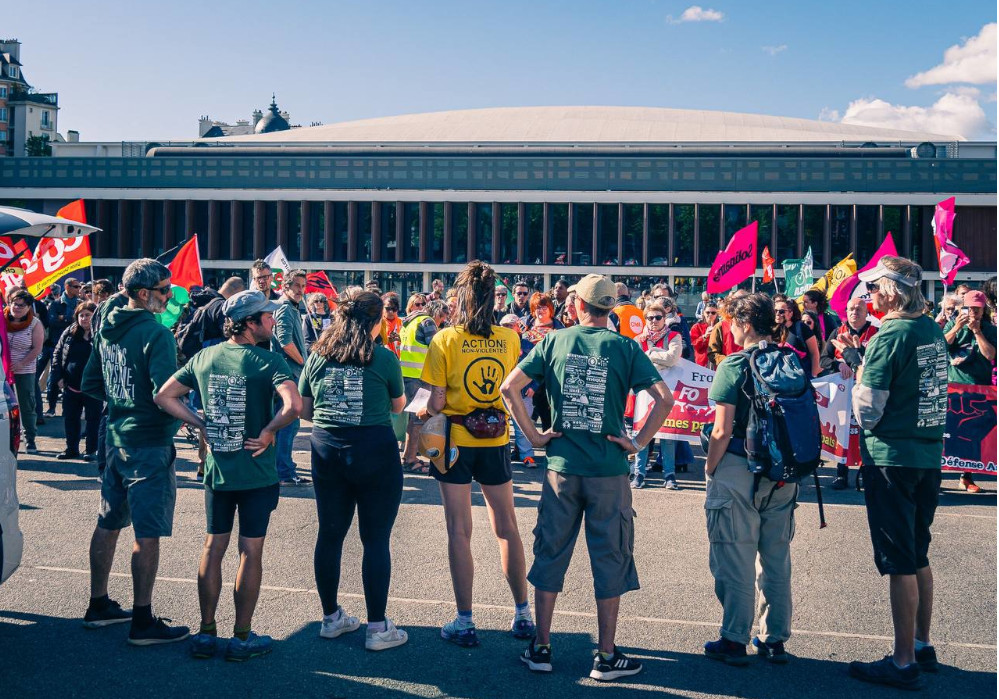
132,358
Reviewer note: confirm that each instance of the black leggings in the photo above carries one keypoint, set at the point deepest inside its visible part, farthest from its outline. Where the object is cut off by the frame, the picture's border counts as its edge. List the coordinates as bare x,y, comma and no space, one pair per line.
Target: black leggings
356,466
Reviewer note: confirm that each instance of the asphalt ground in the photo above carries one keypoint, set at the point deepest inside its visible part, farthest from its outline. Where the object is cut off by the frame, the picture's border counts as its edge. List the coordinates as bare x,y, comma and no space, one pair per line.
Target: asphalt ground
841,604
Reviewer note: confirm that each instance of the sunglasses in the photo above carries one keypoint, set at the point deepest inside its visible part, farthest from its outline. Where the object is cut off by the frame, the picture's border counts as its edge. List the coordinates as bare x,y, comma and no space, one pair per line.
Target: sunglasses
654,317
710,313
780,311
393,309
873,287
520,293
161,289
419,304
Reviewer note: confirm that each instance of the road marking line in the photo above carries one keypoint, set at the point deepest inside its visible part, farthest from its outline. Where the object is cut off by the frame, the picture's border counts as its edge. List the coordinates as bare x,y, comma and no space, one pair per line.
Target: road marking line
500,607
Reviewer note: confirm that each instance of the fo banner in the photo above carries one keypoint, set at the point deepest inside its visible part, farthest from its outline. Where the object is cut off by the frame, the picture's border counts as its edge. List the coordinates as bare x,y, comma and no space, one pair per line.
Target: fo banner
832,394
970,439
690,384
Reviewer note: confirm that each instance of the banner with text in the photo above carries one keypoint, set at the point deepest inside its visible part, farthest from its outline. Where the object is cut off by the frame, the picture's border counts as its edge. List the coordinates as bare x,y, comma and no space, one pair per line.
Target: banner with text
970,439
832,394
690,384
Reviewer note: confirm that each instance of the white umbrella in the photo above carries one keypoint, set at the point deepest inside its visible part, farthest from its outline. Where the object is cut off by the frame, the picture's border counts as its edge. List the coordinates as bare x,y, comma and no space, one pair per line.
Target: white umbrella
15,221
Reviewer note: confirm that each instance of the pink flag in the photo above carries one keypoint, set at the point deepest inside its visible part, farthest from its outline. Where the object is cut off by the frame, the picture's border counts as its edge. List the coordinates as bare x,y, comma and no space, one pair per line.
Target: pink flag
736,263
950,257
852,288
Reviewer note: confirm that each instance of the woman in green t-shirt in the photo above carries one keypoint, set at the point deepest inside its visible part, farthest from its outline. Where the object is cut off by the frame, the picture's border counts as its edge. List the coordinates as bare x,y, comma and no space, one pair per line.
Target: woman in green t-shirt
350,387
746,520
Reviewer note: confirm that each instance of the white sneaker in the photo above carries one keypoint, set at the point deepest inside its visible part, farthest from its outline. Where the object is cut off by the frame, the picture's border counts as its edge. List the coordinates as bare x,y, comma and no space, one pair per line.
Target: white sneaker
383,640
345,624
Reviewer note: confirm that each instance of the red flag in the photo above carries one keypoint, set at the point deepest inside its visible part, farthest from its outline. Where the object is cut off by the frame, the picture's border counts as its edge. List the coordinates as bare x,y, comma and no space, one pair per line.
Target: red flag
54,258
950,257
185,269
9,250
736,263
319,282
74,211
768,266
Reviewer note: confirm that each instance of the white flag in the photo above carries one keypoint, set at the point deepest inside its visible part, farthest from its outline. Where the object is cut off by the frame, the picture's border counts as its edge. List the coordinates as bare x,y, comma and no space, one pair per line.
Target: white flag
278,260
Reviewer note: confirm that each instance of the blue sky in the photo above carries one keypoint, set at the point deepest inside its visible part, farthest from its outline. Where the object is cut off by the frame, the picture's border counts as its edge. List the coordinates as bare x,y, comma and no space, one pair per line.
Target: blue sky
145,71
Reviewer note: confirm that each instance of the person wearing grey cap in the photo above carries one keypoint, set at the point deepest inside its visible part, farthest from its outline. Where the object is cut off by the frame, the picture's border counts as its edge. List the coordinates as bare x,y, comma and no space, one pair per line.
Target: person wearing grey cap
900,401
587,371
237,382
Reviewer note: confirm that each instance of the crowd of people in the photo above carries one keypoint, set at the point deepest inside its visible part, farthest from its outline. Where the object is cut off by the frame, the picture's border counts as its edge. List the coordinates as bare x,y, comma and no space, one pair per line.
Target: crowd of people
559,370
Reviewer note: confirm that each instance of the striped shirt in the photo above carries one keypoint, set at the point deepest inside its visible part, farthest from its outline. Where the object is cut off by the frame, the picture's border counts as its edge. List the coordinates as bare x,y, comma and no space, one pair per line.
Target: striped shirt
20,346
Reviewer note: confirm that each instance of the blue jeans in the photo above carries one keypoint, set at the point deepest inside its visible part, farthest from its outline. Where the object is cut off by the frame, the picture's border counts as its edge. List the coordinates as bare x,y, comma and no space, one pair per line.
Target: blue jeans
284,441
524,447
667,451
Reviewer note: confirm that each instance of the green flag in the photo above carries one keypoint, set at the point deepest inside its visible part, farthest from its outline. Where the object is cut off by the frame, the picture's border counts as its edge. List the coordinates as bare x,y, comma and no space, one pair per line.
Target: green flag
798,275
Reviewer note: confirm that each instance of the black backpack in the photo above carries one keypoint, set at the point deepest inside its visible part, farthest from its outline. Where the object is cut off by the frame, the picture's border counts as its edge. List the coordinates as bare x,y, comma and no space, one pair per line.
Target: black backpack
784,436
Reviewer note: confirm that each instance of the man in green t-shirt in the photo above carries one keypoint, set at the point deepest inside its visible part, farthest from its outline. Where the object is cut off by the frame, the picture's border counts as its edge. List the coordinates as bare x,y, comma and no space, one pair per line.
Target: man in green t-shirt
587,371
900,401
288,341
237,381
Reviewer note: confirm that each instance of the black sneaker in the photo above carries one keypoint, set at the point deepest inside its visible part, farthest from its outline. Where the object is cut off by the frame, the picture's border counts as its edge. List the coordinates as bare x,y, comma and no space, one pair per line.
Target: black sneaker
156,633
537,659
30,448
773,652
729,652
618,665
66,455
885,671
927,659
111,614
840,483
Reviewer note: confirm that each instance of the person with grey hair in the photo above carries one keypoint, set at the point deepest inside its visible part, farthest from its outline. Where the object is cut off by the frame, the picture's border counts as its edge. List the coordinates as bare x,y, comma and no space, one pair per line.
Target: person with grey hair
133,356
950,306
318,318
288,341
900,401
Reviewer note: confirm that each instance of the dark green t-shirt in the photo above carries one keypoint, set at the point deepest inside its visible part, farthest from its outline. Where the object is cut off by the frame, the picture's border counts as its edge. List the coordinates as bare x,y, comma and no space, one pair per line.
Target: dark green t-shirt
236,384
907,358
730,386
352,396
973,368
587,373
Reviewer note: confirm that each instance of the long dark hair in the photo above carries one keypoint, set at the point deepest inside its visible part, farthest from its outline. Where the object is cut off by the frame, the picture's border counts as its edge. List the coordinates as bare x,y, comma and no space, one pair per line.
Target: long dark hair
348,338
755,310
80,308
475,286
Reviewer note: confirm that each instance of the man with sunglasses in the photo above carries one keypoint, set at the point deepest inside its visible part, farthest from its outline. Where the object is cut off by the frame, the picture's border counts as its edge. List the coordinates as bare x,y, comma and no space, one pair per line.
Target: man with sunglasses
521,306
61,312
133,356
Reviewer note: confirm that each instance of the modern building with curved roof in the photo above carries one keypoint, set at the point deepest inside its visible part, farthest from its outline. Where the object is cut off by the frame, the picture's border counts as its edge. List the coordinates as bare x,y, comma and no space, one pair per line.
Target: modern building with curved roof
643,194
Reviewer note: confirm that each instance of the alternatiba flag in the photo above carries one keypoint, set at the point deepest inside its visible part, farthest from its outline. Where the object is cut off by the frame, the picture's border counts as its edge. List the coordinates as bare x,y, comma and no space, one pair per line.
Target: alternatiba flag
851,288
768,265
736,263
798,275
949,256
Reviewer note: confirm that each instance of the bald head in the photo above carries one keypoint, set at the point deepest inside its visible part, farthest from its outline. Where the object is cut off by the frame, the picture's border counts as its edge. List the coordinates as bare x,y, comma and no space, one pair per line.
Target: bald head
856,313
621,289
232,285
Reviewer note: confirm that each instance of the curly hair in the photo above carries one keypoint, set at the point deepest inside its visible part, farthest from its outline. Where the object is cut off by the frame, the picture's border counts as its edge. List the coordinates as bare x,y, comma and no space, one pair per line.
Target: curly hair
348,338
475,286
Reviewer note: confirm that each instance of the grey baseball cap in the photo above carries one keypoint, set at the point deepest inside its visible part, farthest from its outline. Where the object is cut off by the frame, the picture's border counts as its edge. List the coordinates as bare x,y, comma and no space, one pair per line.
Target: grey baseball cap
246,303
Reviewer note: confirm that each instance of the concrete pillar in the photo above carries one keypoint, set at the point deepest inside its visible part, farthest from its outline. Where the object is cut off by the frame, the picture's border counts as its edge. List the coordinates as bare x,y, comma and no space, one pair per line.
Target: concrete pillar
282,225
376,231
400,221
213,230
169,223
124,230
259,229
235,230
448,221
306,223
521,227
351,231
146,226
424,240
329,230
497,247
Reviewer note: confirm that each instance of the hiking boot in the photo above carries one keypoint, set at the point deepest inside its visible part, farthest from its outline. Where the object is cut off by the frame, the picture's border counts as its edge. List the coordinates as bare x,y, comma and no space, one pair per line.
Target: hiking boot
157,633
383,640
203,645
618,665
773,652
537,659
345,624
840,483
239,650
112,613
729,652
670,483
927,659
638,482
522,629
885,671
460,633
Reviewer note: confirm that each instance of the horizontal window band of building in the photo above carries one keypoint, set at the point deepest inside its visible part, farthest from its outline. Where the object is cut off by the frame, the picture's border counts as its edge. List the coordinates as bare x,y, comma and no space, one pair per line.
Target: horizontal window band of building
530,234
747,174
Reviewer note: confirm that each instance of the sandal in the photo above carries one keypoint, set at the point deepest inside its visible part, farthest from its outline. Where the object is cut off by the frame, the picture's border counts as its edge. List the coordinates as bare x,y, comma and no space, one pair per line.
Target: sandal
417,467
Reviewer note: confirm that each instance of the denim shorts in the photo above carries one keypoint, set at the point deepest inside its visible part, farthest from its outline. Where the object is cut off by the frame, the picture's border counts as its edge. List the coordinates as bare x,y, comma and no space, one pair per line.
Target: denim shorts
139,487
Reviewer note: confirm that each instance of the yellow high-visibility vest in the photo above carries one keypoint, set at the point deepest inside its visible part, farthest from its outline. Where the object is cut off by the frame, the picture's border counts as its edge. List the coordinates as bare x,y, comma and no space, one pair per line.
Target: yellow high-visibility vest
412,354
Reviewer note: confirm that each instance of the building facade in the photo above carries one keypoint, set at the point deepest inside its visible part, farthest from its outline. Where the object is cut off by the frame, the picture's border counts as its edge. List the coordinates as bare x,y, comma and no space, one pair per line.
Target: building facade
24,113
401,205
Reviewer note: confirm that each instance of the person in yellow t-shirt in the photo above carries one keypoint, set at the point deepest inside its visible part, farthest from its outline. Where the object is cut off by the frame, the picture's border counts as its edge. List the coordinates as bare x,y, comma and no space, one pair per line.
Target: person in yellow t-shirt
465,366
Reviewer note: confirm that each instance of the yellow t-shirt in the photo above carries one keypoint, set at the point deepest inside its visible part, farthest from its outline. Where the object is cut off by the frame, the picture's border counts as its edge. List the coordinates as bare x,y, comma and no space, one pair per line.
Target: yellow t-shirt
472,369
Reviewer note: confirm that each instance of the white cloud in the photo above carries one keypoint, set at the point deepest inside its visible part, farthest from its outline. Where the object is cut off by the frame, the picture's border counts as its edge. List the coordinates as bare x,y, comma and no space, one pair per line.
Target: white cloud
696,13
774,50
952,114
974,62
828,114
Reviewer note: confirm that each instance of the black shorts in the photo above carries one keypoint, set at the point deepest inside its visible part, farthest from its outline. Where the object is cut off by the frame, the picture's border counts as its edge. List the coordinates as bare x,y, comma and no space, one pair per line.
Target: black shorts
901,503
255,506
487,465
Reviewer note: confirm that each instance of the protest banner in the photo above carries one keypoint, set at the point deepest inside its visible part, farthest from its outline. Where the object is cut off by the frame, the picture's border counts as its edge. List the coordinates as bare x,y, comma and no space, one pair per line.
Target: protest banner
798,275
950,258
689,383
736,263
54,258
970,436
832,394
